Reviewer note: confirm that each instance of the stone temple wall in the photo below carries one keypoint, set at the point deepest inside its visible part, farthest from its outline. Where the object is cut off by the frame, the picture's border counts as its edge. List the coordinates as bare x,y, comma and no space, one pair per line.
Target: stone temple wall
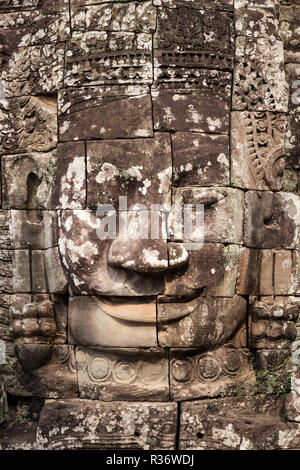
148,344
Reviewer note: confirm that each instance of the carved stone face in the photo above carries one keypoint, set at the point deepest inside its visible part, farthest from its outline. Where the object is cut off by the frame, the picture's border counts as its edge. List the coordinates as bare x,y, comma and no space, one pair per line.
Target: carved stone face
169,145
166,103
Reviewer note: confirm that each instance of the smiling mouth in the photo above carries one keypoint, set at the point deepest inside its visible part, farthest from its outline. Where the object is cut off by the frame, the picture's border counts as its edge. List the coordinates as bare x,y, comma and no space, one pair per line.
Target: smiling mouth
143,310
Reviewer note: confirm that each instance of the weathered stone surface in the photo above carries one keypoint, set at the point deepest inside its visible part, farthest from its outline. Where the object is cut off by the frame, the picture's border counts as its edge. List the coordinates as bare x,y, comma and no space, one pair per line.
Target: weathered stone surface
212,270
3,402
290,181
31,28
123,374
257,143
94,322
69,177
30,229
271,220
292,141
46,6
15,271
273,327
87,424
34,70
6,302
134,16
163,101
79,245
289,26
105,112
27,180
207,322
94,58
129,165
259,80
28,124
5,230
40,370
200,159
257,22
278,272
57,281
292,74
42,319
248,280
198,104
223,213
212,374
192,38
270,358
222,4
250,423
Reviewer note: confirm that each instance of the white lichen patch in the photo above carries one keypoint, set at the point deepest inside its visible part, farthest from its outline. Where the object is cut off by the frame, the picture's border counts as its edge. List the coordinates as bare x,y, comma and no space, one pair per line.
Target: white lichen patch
214,124
165,180
151,258
107,173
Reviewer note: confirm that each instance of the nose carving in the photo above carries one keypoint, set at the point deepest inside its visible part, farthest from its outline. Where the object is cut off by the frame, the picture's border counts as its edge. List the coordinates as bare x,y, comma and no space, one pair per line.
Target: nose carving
146,256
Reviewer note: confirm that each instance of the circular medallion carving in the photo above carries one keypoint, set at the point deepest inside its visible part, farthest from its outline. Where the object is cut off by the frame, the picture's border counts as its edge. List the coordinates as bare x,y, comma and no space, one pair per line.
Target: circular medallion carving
152,372
124,372
231,361
208,368
81,359
182,370
99,368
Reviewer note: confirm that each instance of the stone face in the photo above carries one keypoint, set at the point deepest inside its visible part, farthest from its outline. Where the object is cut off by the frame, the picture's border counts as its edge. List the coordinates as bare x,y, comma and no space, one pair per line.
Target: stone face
212,270
208,322
219,373
79,244
109,325
223,213
119,374
29,123
105,112
257,143
118,425
259,80
200,159
129,165
236,424
271,220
